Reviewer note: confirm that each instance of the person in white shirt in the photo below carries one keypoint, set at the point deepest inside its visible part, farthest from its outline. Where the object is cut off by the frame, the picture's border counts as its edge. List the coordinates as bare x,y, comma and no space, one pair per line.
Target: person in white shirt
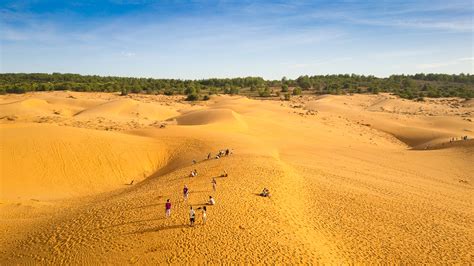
192,216
204,214
211,201
214,184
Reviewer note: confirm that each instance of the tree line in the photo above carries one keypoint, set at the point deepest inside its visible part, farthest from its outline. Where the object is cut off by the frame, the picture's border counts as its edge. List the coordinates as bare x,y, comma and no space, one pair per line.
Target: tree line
415,86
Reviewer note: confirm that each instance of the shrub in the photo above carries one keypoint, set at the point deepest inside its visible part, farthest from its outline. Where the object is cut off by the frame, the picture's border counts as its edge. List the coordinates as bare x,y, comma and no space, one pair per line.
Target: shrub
264,92
374,90
284,88
287,96
124,92
136,90
206,98
234,91
192,97
297,91
16,89
189,90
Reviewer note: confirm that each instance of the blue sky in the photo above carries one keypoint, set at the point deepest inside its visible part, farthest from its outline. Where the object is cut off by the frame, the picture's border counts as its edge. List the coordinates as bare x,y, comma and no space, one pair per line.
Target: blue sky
204,39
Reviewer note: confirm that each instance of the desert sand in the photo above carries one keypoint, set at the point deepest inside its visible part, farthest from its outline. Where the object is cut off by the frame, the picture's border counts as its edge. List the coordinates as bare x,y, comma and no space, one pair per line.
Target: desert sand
353,179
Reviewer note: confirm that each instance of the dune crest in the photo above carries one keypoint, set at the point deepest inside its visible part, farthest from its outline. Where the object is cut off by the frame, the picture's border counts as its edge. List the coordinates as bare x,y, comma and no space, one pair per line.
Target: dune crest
226,117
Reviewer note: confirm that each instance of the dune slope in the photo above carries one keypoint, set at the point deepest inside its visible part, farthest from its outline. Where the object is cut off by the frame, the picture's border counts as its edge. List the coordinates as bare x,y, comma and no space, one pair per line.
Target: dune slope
47,161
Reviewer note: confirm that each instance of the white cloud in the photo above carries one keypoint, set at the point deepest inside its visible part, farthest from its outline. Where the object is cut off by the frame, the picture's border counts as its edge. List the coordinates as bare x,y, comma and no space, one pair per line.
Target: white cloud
324,62
127,54
435,65
444,64
400,54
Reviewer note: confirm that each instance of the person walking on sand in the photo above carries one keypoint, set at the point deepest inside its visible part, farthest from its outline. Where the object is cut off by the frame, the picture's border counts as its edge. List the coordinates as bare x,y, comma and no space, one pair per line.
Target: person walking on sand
211,201
185,192
204,214
192,216
214,184
168,208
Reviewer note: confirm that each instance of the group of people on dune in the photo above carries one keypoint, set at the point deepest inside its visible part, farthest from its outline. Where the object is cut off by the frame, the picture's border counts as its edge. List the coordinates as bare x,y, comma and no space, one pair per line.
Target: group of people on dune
211,201
192,212
220,154
455,139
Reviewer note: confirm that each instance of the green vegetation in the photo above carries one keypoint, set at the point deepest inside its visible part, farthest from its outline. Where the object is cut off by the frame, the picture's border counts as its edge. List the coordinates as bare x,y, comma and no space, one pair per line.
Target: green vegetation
192,97
264,92
123,92
297,91
416,86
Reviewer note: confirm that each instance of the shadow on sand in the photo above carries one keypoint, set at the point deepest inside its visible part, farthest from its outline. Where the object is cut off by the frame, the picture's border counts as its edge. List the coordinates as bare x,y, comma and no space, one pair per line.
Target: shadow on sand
199,191
260,195
146,206
160,228
131,222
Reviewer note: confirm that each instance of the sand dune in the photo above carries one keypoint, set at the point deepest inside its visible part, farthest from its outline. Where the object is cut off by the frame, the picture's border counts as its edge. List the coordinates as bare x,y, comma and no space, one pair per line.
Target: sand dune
348,182
225,118
128,108
423,127
28,107
48,162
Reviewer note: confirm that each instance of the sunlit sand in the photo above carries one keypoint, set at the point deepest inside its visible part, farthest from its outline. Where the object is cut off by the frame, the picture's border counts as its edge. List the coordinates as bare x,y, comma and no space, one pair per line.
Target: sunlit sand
361,178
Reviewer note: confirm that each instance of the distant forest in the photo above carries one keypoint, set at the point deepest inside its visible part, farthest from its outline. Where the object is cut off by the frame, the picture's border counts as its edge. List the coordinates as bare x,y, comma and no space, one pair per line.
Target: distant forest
416,86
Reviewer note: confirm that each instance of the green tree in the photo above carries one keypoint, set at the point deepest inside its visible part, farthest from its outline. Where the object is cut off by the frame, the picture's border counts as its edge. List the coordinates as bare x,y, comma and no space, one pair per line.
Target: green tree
304,82
264,92
297,91
192,97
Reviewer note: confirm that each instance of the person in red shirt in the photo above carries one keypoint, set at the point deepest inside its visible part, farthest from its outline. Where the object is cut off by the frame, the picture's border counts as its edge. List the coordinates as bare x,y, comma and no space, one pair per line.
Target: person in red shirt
168,208
185,192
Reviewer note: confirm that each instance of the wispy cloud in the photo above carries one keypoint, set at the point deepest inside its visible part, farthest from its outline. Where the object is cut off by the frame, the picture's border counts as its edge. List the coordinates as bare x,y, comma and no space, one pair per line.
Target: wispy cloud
316,63
414,15
435,65
392,54
127,54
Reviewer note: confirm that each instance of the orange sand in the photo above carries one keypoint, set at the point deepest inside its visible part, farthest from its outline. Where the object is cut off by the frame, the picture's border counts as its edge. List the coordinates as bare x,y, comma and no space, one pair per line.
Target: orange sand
354,179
